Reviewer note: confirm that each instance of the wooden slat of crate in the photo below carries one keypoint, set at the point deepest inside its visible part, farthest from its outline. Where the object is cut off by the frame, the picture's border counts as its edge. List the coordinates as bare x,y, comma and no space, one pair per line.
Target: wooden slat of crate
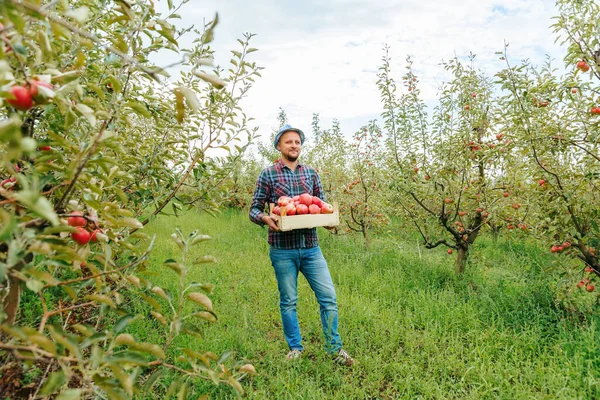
288,223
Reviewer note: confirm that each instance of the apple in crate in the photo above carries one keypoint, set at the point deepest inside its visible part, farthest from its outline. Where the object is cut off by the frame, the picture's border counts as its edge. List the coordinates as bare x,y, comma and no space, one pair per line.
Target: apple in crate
317,201
326,208
306,199
276,210
301,209
284,201
314,209
290,209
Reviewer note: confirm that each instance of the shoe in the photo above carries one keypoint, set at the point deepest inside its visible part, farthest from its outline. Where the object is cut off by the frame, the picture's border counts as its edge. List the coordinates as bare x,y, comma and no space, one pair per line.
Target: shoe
343,358
293,354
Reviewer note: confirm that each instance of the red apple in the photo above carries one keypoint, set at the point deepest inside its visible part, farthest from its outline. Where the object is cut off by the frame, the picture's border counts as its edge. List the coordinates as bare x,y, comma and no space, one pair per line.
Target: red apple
416,169
589,269
505,194
583,66
44,148
81,236
467,107
306,199
580,284
499,136
574,90
449,251
93,237
301,209
22,100
74,220
290,209
326,208
283,201
296,198
541,182
590,288
462,213
314,209
317,201
427,177
276,210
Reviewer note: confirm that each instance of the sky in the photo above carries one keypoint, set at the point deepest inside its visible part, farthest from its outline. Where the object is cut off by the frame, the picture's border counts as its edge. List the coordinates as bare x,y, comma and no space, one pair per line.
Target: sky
322,56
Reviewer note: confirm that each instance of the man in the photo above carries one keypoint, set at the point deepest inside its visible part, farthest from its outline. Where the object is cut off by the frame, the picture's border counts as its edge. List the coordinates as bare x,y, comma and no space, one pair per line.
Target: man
297,250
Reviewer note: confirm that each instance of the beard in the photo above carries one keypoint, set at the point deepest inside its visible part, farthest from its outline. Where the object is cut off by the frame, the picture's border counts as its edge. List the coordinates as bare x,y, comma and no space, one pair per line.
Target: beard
290,158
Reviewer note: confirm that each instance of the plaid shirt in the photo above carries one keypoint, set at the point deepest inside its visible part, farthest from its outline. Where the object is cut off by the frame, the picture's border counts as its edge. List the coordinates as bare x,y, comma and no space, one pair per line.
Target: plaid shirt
276,181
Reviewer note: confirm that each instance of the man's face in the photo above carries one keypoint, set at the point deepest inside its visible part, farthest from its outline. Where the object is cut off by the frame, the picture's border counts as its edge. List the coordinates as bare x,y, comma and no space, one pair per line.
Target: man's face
289,145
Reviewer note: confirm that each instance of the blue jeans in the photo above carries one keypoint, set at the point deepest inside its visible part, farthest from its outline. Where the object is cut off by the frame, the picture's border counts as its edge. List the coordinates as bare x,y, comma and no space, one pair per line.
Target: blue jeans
312,264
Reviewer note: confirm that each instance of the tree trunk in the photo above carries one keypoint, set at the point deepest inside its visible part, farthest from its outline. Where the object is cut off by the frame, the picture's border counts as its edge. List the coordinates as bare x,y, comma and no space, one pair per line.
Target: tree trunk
461,259
365,232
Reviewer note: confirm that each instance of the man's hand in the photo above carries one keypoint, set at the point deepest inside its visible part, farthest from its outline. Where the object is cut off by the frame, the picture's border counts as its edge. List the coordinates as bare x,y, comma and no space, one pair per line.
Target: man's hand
271,222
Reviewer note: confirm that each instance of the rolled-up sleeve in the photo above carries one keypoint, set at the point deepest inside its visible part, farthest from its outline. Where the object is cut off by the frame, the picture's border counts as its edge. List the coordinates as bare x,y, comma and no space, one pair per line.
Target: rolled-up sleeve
261,194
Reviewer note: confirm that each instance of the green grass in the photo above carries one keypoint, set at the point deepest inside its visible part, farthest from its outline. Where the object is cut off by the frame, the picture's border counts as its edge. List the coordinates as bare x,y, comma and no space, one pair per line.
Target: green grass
416,329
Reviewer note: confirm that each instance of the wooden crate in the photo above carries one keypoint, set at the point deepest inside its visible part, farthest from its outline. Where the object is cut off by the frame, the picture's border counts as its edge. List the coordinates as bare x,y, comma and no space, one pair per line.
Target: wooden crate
288,223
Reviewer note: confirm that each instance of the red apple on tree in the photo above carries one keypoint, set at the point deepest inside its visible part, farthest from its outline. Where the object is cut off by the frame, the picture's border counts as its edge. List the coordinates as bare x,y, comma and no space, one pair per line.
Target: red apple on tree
22,98
76,220
590,288
81,235
583,66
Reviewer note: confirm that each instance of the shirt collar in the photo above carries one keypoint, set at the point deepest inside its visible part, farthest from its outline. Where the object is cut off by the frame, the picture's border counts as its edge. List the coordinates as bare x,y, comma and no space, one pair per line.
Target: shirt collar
281,164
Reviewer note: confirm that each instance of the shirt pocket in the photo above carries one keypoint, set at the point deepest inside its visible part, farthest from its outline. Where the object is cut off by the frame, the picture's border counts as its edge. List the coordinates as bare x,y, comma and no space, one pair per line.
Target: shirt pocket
281,189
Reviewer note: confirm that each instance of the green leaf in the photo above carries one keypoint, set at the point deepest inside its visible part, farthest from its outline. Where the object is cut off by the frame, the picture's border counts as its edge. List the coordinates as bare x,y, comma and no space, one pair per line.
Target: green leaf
39,205
34,285
152,380
124,321
149,348
10,129
212,79
70,394
205,315
175,266
202,299
131,223
190,98
101,298
205,259
139,108
54,382
127,357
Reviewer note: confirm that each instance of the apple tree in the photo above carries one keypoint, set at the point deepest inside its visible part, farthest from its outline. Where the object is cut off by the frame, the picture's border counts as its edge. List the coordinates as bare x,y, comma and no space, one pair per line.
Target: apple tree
555,120
447,174
93,137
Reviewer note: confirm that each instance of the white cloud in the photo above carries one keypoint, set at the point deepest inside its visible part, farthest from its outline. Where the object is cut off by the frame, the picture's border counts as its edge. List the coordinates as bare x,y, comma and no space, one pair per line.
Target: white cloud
323,56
